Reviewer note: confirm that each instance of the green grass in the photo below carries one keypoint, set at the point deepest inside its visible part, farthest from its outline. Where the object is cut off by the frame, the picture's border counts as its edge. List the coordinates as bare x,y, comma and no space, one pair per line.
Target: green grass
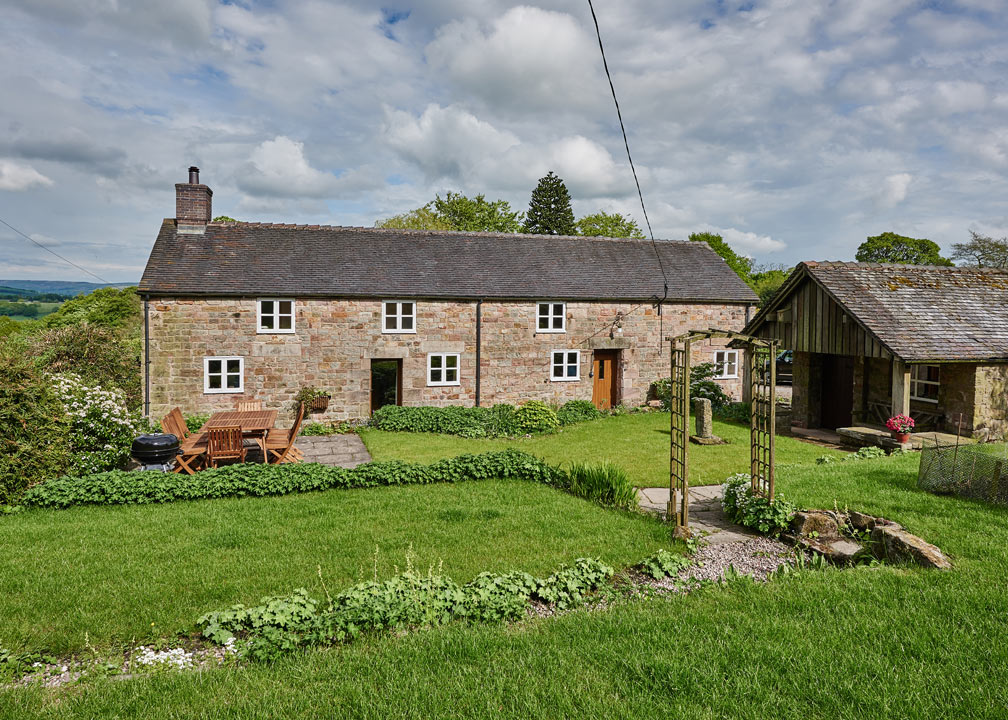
883,642
637,443
113,571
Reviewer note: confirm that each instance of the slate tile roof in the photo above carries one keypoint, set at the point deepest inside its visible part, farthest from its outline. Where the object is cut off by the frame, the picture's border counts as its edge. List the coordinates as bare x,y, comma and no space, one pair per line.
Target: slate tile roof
924,312
250,259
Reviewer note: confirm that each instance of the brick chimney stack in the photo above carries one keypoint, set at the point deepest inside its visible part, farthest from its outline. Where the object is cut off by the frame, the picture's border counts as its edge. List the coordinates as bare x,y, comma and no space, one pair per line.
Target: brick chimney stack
192,204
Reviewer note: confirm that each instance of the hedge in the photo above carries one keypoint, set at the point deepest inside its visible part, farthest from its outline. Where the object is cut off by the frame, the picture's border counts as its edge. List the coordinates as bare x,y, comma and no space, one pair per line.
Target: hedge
120,487
502,420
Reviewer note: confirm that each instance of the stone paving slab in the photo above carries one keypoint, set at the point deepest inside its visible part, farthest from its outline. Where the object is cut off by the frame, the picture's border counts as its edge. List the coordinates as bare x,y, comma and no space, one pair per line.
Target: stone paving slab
705,510
334,450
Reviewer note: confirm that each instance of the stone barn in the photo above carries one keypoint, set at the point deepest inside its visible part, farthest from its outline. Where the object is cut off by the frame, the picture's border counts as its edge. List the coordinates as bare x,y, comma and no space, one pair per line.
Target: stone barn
871,341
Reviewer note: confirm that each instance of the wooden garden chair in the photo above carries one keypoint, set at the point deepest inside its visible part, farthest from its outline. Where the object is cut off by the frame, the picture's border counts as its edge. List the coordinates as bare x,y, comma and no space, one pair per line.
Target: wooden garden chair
280,447
224,443
250,406
190,457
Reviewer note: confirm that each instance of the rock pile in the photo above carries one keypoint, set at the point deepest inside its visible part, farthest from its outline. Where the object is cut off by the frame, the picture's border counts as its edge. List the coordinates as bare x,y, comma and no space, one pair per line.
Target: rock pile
851,537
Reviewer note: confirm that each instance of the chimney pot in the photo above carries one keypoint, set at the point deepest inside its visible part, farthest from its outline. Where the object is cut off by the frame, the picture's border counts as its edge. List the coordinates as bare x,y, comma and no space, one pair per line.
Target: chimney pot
194,175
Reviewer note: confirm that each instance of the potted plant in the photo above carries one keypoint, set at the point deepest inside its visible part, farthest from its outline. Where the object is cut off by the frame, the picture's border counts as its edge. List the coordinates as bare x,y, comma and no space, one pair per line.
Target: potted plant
315,400
900,425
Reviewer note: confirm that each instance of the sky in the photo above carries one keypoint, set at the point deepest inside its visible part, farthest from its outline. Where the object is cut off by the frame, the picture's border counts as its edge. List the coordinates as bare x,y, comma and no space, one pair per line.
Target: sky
794,129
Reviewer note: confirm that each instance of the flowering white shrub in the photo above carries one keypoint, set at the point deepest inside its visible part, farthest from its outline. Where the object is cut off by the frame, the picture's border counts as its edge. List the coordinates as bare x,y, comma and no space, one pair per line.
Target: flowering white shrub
752,510
102,428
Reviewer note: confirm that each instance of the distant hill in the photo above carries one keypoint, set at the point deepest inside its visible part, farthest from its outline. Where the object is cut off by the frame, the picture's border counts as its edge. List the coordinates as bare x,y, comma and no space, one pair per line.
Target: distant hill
57,287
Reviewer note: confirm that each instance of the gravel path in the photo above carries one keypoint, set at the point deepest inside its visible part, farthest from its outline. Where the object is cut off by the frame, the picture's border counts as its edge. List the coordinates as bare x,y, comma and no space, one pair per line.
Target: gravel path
758,558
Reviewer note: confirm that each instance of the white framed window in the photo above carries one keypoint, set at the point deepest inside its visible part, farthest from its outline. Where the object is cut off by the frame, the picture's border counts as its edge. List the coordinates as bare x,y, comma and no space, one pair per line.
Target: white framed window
223,375
725,364
274,316
924,383
398,316
565,365
551,317
443,369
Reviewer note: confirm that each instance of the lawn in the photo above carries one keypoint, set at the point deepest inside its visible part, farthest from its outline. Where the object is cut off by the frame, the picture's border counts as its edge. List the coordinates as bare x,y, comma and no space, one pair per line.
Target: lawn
882,642
638,443
113,572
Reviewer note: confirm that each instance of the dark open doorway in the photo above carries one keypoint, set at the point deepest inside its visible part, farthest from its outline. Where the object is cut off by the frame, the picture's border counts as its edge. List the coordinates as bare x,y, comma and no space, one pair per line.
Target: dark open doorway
837,391
386,383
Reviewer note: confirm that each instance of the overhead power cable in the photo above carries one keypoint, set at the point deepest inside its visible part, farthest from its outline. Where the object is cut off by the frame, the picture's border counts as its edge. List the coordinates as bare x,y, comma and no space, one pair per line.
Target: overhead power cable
53,252
626,144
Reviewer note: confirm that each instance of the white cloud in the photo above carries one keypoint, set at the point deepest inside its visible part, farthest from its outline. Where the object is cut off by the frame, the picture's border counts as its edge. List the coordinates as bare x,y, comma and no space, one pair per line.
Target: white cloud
528,58
279,167
16,177
894,190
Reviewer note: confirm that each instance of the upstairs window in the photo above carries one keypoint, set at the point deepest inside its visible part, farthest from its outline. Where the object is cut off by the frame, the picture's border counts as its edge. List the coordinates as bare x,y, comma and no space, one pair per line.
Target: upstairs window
443,369
551,317
398,317
223,375
275,316
924,383
566,365
726,364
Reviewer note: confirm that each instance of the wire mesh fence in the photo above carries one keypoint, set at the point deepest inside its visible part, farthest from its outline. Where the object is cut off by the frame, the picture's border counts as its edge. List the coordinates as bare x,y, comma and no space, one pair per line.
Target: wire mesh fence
979,472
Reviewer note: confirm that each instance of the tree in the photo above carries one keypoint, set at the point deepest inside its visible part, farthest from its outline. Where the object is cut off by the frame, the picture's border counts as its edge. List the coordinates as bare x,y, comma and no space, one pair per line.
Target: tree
603,224
223,218
766,281
549,210
457,212
477,214
423,218
742,265
892,248
982,250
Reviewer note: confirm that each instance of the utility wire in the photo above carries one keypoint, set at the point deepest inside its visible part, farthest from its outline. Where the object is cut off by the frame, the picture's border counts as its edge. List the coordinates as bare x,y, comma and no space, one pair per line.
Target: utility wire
626,143
53,252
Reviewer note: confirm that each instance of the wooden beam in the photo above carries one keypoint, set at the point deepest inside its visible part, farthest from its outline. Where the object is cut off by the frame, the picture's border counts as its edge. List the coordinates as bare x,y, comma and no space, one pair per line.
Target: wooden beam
900,387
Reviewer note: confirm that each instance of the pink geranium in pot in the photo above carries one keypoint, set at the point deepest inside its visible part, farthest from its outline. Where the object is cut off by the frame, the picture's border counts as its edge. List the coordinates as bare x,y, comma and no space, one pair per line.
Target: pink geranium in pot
900,425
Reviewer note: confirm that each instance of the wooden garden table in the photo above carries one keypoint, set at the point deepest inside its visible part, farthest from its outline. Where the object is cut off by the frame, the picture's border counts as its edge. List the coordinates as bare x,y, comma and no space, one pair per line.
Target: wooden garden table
255,423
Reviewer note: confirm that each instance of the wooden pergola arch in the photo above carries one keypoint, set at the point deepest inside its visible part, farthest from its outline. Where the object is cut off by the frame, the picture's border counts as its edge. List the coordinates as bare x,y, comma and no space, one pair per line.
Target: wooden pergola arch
760,379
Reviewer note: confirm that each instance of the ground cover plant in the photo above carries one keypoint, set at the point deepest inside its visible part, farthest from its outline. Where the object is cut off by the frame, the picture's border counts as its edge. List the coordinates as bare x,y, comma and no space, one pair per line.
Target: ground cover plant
903,642
501,420
637,442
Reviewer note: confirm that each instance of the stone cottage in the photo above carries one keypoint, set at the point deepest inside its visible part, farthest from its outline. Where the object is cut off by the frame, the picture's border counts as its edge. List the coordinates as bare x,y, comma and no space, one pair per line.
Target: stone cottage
238,311
871,341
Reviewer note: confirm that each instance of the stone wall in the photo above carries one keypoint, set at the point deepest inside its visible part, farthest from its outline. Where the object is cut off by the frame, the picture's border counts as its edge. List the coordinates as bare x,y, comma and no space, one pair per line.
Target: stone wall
335,340
991,401
806,390
956,391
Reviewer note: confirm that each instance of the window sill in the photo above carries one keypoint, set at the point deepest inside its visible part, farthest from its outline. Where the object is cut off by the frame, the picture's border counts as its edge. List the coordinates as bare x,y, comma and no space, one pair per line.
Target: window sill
398,332
450,384
566,379
262,331
225,391
551,332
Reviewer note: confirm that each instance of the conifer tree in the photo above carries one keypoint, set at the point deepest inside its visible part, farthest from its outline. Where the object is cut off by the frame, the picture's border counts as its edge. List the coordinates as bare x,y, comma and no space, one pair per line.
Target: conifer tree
550,210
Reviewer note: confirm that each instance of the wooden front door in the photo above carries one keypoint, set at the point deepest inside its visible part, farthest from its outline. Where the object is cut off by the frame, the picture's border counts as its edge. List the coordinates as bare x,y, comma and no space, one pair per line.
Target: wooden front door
605,392
837,391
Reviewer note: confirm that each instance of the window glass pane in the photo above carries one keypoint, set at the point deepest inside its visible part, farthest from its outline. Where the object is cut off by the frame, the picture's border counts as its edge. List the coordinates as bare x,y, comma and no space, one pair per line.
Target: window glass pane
407,323
266,322
435,361
543,322
285,322
451,375
558,309
451,361
558,371
558,323
544,308
214,382
266,307
390,322
407,308
572,371
234,366
932,372
601,370
572,357
234,381
285,307
435,375
214,366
